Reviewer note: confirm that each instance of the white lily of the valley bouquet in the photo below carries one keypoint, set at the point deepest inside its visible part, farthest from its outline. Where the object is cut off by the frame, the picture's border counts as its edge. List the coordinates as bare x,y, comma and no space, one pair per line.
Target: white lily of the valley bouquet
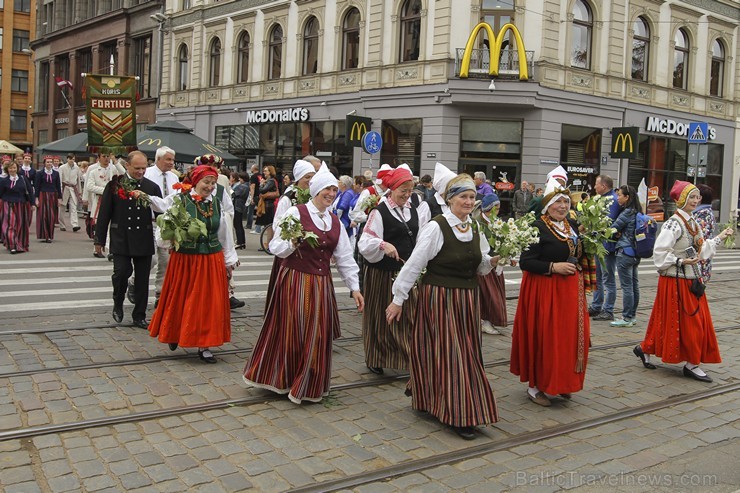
510,238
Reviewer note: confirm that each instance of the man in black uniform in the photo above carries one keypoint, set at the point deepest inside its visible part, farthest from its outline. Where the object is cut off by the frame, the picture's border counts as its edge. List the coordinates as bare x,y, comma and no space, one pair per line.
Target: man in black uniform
131,235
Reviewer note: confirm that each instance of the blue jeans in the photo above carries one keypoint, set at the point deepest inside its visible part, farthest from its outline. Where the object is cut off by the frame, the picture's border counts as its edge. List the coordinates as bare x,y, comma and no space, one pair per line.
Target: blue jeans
606,285
627,270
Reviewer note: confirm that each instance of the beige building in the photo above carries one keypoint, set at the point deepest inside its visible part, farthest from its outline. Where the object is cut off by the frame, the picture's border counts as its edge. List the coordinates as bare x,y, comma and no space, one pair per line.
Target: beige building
17,18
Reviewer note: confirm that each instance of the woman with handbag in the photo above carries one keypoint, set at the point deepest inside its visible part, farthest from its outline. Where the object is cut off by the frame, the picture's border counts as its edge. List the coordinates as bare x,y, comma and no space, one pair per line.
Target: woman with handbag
627,259
682,333
268,192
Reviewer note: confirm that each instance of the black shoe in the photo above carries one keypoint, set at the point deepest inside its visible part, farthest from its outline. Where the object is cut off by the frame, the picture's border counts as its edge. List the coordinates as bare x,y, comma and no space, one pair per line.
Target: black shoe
638,352
130,294
592,312
604,316
13,251
240,247
691,374
142,324
207,359
172,345
98,255
118,314
235,303
48,240
156,302
110,257
375,369
76,229
465,432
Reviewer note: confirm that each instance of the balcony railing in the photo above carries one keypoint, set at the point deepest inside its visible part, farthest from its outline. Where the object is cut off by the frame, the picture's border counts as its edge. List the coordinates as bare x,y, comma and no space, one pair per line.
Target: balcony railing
508,67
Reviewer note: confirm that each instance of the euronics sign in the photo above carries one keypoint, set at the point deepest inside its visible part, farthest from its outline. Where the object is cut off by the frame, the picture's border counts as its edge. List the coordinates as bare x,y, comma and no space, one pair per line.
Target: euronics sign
278,116
672,127
495,42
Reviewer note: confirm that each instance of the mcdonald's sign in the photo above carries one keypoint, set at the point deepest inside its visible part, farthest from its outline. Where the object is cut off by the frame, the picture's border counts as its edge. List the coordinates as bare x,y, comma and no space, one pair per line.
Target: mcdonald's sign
495,43
624,142
151,142
356,127
593,144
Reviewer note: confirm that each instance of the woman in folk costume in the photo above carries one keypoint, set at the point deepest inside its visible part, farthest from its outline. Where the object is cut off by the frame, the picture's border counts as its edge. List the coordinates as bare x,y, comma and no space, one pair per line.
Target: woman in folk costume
48,199
16,200
680,327
493,285
447,375
386,243
4,161
551,326
293,352
193,309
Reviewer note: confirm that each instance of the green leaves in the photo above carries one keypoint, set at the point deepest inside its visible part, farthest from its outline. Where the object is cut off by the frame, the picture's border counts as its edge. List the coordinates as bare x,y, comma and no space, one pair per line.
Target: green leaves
596,225
178,226
729,242
292,229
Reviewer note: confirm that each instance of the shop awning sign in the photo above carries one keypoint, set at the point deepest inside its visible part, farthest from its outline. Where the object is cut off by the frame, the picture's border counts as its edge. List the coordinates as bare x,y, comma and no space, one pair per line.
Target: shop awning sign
624,142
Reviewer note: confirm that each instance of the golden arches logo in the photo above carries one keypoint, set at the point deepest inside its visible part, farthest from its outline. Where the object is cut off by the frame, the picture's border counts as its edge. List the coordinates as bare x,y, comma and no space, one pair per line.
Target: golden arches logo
390,135
592,143
495,43
151,142
361,129
212,148
625,139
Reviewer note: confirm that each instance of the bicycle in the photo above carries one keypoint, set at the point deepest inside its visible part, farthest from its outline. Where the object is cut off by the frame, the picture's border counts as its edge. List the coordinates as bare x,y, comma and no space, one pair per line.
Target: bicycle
265,237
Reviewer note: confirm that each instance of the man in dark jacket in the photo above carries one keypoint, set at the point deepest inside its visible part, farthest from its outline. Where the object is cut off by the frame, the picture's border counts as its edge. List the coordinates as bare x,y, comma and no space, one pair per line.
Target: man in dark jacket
131,235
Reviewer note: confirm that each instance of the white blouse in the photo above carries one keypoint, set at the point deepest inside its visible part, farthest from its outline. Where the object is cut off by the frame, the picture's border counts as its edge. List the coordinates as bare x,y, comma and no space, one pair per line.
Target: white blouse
373,234
428,245
345,262
663,251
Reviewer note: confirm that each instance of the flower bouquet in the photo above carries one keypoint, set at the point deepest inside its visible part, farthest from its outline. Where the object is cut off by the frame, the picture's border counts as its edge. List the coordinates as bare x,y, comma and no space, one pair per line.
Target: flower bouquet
292,229
369,203
729,242
510,238
302,196
127,189
596,226
177,225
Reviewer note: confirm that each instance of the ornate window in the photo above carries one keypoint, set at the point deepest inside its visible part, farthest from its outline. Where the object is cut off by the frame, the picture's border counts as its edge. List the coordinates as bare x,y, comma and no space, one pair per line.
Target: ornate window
275,64
183,72
215,66
351,40
640,49
581,36
311,47
717,72
681,60
242,58
410,30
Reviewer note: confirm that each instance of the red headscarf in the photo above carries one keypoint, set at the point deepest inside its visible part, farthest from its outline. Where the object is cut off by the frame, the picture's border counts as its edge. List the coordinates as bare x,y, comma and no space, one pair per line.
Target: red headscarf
200,172
680,192
397,177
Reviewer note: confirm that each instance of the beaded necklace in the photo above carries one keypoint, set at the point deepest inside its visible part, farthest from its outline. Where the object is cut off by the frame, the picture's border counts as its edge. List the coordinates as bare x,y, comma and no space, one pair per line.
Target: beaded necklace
694,231
463,228
558,233
203,213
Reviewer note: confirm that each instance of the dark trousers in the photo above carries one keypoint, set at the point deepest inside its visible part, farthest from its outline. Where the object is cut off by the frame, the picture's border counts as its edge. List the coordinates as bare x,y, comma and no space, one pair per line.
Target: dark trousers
250,215
239,228
122,270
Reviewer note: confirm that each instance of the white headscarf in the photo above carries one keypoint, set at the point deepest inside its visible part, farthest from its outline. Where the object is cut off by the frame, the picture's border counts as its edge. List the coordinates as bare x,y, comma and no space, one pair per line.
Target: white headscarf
321,180
301,168
558,173
442,176
553,191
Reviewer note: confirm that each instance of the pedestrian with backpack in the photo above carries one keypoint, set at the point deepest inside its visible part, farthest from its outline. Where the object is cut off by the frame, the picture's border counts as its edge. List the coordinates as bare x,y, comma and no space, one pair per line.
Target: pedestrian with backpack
627,259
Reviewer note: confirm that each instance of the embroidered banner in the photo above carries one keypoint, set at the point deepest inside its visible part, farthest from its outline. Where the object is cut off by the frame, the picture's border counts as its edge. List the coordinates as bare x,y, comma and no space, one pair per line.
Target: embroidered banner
111,113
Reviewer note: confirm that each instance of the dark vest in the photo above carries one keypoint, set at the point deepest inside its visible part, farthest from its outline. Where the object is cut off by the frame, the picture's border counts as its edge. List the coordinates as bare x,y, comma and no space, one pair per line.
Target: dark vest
314,260
434,208
456,264
395,233
205,244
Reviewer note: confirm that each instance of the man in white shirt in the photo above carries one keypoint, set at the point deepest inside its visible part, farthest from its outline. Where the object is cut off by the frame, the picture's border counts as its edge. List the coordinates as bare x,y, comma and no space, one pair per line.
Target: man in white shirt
70,175
98,176
161,174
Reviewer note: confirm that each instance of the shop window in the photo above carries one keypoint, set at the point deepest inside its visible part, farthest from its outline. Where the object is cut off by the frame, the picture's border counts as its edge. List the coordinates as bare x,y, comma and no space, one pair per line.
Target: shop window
717,72
18,120
681,60
275,64
640,49
580,151
183,73
581,35
351,40
242,58
402,143
410,30
62,133
214,78
311,47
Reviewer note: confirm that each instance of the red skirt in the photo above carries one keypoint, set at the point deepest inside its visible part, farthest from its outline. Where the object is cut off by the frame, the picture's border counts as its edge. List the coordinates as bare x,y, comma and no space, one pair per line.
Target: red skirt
15,225
193,309
551,329
47,215
493,298
673,333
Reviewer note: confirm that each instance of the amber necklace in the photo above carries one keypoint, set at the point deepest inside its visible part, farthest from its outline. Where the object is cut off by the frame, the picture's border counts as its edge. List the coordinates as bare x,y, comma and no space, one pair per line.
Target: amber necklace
693,231
562,234
463,228
203,213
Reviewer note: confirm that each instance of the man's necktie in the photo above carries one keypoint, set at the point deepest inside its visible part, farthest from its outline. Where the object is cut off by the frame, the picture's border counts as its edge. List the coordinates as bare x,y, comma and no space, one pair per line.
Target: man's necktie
165,191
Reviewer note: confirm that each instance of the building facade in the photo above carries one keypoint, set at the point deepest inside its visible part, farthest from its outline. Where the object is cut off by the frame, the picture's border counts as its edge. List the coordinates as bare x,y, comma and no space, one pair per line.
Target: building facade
17,18
73,37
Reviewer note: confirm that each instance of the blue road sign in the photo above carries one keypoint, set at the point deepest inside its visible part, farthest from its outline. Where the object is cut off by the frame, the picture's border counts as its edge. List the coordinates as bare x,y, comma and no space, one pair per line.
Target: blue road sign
698,132
372,142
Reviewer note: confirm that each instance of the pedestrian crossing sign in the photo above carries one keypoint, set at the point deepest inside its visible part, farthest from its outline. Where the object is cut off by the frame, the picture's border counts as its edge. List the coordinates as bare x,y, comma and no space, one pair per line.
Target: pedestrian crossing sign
698,132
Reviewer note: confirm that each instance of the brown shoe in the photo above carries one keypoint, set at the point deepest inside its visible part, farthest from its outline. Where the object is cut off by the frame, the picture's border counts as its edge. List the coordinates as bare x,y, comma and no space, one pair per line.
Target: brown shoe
566,396
540,399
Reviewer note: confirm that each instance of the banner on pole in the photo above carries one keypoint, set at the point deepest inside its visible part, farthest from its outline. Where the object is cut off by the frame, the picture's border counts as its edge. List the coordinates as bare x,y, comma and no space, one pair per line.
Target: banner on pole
111,113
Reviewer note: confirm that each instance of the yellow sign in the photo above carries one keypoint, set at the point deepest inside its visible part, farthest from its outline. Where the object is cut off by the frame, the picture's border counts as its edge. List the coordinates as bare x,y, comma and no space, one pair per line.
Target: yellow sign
624,142
358,130
495,44
356,127
152,142
592,143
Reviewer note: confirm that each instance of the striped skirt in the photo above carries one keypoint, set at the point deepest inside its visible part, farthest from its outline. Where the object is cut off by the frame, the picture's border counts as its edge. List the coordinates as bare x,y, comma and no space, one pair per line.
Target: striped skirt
47,215
386,345
493,299
293,352
15,225
447,375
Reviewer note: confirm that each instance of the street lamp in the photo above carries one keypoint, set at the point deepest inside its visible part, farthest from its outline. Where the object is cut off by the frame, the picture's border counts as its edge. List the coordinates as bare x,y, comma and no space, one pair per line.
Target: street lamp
160,19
